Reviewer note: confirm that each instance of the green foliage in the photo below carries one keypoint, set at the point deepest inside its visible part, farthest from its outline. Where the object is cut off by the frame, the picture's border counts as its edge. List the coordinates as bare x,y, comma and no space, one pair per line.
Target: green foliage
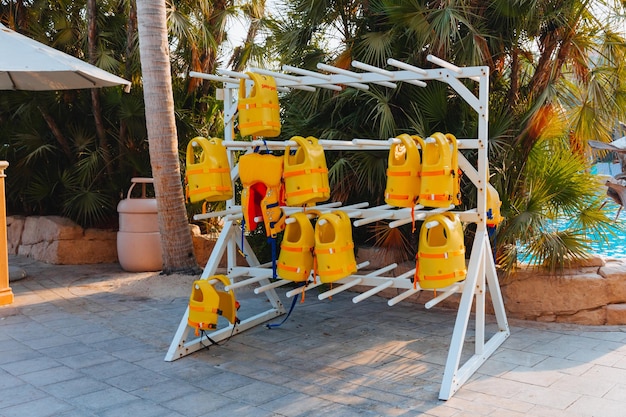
555,185
58,164
557,80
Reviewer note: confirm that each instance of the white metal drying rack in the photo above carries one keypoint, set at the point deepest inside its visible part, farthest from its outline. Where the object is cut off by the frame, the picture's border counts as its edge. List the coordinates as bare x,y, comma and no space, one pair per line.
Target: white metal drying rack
481,271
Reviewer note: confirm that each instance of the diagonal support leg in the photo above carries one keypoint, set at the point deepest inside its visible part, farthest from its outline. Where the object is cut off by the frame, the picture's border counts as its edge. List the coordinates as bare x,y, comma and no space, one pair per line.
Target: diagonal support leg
227,241
481,269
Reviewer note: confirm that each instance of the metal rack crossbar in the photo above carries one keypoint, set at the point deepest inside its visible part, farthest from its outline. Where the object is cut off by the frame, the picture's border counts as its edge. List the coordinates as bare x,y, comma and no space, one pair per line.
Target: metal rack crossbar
481,271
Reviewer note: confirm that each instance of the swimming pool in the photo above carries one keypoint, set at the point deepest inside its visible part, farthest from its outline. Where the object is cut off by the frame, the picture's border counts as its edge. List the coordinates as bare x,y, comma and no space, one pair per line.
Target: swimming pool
614,247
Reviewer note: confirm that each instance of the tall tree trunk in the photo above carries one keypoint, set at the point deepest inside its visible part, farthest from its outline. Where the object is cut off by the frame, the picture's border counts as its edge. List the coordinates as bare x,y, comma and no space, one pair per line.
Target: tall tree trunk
92,42
177,245
131,32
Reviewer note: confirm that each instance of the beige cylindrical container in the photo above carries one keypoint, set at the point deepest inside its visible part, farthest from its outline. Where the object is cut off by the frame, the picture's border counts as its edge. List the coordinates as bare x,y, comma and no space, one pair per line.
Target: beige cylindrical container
138,238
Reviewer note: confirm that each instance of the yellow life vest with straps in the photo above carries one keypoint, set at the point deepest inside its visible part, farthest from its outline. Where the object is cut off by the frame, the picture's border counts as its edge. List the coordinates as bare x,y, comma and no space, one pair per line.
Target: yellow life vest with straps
305,173
295,261
259,113
261,196
207,175
334,247
441,252
403,172
206,304
441,181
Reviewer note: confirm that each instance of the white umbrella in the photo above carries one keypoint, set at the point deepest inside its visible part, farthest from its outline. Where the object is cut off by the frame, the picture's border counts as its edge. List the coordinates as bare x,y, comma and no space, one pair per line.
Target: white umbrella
26,64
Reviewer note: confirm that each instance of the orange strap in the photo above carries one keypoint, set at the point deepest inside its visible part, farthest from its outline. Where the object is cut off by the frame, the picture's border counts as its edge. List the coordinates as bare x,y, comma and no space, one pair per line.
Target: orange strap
294,248
213,188
254,105
401,173
260,123
330,251
207,171
338,271
398,196
444,276
204,309
288,174
435,173
309,191
442,255
436,197
197,326
282,265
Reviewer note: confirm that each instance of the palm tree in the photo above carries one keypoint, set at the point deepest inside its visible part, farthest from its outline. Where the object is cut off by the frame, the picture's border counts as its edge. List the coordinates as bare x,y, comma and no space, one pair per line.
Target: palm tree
178,254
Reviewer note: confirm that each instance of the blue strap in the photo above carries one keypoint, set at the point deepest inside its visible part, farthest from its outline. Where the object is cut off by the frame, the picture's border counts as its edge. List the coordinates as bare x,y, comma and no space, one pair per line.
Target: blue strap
272,242
293,304
243,229
491,233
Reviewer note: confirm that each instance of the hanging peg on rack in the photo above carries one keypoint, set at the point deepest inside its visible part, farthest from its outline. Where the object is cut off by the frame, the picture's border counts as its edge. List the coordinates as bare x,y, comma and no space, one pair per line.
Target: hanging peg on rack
275,74
301,71
212,77
443,64
407,67
366,67
233,74
331,87
451,290
340,71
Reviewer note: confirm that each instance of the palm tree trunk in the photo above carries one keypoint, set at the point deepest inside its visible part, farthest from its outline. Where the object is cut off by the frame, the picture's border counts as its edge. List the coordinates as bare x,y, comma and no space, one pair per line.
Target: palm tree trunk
92,35
178,254
131,32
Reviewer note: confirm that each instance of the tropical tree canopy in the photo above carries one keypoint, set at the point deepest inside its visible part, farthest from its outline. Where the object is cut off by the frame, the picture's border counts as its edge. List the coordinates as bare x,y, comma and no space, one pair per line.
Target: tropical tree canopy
557,80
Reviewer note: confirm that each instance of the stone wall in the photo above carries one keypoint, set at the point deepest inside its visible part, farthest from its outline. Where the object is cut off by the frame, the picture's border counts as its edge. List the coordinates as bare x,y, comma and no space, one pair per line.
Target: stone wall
58,240
592,292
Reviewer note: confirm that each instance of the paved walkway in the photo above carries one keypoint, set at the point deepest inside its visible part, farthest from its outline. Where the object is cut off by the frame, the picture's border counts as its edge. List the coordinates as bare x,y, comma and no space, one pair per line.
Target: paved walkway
90,341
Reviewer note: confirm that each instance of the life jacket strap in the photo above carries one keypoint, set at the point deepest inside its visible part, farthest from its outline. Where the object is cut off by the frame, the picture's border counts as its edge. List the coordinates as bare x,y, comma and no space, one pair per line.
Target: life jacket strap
391,173
397,196
248,106
309,191
338,271
284,266
436,197
290,248
330,251
436,173
207,171
289,174
260,123
443,255
212,188
457,273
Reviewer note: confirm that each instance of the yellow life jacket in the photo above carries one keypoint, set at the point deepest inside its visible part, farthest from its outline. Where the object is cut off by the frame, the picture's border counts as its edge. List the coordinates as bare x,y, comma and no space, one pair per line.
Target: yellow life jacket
494,217
206,304
305,173
208,175
259,113
334,247
441,181
441,252
295,261
403,172
261,176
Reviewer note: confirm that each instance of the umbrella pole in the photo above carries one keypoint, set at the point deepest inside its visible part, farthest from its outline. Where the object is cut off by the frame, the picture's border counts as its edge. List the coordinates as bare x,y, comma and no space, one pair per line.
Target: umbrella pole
6,295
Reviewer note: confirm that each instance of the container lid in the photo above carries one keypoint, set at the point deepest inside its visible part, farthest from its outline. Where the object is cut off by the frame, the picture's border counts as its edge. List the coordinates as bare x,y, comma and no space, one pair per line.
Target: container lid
137,205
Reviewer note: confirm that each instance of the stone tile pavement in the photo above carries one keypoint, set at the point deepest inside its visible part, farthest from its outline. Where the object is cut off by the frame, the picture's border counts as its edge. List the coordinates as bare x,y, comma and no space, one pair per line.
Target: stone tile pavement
90,341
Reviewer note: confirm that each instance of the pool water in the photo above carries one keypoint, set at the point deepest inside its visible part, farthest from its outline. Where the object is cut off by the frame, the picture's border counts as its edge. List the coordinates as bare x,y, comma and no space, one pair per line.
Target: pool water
614,246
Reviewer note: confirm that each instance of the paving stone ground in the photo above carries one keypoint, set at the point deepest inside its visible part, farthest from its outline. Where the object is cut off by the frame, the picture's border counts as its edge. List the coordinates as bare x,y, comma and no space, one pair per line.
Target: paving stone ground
91,341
